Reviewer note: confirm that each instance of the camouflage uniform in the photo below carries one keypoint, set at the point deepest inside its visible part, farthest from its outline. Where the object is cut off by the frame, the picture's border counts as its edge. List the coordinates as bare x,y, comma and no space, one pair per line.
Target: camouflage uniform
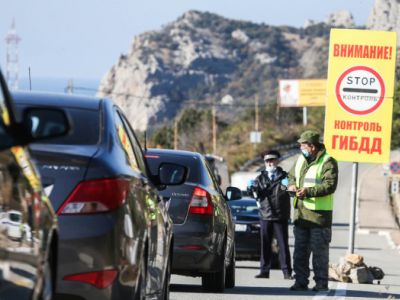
312,230
315,240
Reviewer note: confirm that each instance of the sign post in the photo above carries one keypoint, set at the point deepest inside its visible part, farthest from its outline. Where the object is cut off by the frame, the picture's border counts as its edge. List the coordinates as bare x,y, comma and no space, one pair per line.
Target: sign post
360,100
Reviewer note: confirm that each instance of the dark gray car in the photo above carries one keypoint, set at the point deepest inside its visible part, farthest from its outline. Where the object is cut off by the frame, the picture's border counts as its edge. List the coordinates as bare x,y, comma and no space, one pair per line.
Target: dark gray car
115,233
203,228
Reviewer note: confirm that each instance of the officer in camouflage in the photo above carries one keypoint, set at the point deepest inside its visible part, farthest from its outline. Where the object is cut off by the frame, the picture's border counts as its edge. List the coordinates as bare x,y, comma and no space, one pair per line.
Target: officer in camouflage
313,178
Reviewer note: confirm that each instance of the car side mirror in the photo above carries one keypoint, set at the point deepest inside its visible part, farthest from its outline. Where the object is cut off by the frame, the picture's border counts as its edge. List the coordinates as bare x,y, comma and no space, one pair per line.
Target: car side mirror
233,193
171,174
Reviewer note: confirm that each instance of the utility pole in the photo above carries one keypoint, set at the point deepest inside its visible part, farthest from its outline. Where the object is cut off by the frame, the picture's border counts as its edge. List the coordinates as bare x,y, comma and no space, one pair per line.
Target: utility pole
256,126
214,128
12,62
176,133
256,114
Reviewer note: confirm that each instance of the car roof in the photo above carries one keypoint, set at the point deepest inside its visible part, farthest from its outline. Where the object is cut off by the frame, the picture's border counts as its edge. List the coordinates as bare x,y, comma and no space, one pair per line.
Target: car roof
54,99
172,152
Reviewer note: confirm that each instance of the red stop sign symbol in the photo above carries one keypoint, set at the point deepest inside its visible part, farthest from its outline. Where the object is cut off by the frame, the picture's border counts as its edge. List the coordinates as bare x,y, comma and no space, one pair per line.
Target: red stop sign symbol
360,90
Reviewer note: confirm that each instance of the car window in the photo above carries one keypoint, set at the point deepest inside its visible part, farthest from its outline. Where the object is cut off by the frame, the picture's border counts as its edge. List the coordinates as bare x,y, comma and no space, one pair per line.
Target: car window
125,142
243,207
211,178
191,163
135,143
85,127
15,217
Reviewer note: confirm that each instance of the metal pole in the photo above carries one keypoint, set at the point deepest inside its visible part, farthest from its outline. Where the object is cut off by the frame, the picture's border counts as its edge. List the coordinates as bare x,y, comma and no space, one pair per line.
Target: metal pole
30,79
214,129
305,115
353,208
256,114
176,133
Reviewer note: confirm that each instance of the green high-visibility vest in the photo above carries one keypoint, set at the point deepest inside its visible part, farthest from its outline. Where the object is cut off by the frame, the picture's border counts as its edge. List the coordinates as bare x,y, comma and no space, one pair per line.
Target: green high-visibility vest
311,178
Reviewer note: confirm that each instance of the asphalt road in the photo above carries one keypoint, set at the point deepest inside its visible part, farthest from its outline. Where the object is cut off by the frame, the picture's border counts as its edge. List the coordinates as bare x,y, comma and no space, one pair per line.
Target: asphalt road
374,247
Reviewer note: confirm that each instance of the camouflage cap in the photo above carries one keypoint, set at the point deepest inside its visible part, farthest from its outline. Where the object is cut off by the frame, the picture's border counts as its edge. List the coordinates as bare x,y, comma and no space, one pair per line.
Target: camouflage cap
309,137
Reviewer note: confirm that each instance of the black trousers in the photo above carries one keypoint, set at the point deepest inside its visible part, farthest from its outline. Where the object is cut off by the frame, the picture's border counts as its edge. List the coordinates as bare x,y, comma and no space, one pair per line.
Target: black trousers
281,231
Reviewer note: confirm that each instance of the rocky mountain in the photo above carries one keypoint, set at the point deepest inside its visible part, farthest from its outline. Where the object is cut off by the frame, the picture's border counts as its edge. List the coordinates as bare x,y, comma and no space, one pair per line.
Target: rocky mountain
385,16
202,58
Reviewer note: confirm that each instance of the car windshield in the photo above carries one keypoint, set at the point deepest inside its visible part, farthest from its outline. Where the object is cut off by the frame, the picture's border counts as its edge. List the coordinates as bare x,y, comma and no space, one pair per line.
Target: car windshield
243,207
15,217
191,163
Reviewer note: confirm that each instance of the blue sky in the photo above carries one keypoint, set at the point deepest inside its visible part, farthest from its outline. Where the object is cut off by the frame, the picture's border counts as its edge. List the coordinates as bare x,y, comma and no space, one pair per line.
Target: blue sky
84,38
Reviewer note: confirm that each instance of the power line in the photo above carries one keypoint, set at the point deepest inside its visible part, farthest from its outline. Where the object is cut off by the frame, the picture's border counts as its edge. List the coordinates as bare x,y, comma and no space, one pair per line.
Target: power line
171,101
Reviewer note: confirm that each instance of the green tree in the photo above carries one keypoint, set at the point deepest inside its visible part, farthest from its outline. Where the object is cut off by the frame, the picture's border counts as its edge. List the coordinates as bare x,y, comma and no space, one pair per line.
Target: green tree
163,137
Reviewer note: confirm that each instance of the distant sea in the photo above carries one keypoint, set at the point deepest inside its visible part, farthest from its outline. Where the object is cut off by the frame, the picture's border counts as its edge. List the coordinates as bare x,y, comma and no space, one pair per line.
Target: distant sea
86,87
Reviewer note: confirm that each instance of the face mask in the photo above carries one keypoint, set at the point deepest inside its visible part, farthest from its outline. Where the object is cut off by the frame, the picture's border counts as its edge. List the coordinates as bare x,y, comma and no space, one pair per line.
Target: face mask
305,152
270,169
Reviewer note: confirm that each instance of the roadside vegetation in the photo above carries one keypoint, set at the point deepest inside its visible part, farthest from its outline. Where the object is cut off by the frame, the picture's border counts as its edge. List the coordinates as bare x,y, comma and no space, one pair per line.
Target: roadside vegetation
233,140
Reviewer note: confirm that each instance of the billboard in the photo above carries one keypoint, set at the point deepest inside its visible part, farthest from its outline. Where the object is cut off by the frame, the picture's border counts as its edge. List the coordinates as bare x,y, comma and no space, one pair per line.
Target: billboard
304,92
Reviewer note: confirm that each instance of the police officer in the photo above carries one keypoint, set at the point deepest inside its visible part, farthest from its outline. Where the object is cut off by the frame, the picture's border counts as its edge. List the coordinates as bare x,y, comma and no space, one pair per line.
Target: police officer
270,188
314,178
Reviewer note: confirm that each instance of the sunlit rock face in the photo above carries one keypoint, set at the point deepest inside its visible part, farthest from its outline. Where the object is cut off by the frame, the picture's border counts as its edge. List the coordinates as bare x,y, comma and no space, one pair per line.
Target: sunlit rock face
342,18
164,68
202,57
385,16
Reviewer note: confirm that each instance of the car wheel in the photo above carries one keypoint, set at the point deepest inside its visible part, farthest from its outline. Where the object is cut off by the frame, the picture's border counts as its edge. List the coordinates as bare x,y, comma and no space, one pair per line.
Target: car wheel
167,279
230,272
215,282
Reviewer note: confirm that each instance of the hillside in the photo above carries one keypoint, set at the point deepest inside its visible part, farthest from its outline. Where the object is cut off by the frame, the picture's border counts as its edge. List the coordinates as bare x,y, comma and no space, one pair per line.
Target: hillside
171,78
201,57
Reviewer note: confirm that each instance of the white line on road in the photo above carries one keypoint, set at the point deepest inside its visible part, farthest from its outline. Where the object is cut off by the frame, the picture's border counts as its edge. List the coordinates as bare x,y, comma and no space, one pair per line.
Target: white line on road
384,233
340,292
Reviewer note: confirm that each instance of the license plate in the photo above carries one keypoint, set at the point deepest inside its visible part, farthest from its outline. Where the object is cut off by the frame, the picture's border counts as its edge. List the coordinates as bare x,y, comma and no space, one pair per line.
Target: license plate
240,227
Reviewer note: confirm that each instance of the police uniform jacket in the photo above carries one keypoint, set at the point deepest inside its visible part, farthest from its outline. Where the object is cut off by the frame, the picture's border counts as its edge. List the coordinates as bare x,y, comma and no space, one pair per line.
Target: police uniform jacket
273,196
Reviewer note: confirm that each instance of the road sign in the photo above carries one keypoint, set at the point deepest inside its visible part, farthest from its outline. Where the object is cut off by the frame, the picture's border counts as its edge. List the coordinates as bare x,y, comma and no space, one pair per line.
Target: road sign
395,167
360,90
394,189
358,116
255,137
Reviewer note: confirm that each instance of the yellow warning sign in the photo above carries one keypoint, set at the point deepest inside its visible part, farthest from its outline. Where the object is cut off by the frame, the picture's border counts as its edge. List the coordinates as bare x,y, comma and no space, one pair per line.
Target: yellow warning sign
358,116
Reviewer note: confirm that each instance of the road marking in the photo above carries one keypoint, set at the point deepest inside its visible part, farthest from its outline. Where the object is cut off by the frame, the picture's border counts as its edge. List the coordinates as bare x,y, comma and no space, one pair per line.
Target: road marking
321,295
384,233
340,292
